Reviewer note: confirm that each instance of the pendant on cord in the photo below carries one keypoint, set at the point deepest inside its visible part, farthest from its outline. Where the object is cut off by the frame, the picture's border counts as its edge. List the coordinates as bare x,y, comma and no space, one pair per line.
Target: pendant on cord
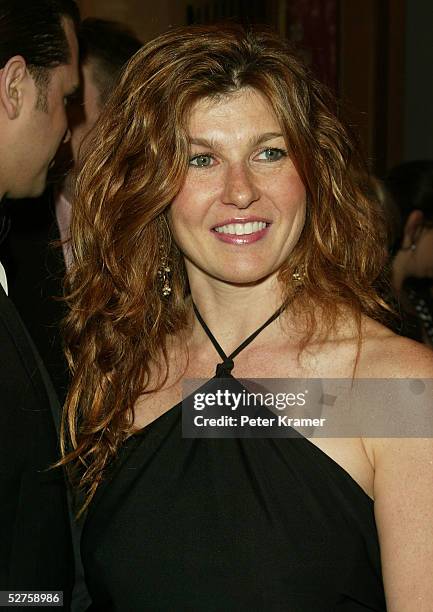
224,369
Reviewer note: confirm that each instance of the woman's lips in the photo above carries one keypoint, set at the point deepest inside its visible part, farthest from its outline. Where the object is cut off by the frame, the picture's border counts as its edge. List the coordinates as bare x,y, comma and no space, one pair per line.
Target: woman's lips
241,232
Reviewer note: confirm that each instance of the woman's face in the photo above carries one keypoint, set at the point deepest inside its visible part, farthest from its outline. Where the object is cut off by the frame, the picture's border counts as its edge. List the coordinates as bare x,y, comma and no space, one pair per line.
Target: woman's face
241,209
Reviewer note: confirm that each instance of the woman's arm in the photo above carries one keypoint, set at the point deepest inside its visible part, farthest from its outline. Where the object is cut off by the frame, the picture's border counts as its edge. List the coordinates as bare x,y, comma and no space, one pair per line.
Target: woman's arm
403,493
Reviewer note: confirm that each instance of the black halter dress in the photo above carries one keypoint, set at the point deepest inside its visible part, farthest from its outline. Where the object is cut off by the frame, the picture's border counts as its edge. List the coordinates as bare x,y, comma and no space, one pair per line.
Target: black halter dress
224,525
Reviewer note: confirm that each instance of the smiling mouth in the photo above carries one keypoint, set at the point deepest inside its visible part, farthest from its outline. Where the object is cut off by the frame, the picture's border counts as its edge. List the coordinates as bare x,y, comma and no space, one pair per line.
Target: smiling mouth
241,229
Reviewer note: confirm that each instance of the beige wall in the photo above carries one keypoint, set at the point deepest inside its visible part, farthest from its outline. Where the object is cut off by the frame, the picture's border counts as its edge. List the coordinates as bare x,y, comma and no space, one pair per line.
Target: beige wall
147,19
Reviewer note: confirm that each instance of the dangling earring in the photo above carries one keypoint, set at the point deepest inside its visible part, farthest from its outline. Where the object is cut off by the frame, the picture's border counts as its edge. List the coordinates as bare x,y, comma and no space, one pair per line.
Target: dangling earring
164,272
299,275
411,247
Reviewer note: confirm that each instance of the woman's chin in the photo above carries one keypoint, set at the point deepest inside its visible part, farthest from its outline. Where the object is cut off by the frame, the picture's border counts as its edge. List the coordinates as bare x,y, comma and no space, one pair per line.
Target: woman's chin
243,277
237,273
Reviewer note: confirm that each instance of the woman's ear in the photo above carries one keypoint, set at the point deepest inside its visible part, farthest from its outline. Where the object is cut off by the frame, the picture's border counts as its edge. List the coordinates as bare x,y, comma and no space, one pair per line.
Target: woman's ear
12,79
412,230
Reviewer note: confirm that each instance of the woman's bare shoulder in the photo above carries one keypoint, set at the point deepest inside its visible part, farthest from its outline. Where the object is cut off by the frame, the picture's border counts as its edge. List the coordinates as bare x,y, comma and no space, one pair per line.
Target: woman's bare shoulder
384,354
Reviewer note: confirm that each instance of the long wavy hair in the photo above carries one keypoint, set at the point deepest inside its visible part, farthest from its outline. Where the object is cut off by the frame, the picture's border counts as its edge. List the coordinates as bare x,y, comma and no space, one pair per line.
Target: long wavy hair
135,163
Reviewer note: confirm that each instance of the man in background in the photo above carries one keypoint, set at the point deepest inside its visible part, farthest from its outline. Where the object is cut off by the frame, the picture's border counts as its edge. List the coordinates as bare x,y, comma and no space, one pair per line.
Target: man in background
38,73
35,269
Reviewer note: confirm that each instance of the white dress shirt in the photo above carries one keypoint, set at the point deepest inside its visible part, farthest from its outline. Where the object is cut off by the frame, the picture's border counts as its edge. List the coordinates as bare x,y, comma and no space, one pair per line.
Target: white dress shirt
3,279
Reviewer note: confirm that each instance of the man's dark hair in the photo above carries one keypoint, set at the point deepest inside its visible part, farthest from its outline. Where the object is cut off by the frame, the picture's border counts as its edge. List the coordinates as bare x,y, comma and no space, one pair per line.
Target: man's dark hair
34,29
109,45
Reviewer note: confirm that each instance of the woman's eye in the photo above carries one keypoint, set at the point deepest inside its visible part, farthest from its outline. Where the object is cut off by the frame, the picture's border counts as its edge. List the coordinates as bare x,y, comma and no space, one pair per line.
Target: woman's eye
201,161
271,155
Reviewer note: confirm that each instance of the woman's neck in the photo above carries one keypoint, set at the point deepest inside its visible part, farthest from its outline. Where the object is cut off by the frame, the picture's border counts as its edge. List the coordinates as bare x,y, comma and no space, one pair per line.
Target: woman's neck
232,313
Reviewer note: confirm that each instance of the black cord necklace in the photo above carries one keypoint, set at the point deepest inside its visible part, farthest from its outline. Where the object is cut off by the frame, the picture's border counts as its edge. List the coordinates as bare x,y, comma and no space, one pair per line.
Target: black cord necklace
224,369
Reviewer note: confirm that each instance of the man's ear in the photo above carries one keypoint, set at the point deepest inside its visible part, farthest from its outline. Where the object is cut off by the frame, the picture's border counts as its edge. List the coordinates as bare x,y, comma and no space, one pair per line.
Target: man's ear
412,229
12,78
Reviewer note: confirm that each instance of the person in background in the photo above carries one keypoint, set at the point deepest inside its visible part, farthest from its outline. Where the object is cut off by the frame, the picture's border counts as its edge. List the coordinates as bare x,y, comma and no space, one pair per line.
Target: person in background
105,47
38,73
409,186
35,267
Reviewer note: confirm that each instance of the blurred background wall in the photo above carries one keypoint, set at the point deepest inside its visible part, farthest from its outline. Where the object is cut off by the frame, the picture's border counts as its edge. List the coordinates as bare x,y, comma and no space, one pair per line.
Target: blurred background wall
377,55
418,72
148,18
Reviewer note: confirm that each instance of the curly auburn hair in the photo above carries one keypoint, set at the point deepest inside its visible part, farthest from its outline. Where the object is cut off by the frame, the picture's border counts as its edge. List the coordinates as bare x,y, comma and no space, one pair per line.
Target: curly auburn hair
136,163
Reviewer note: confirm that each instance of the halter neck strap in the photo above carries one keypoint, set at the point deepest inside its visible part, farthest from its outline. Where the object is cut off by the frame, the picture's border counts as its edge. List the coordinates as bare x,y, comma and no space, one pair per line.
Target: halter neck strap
225,368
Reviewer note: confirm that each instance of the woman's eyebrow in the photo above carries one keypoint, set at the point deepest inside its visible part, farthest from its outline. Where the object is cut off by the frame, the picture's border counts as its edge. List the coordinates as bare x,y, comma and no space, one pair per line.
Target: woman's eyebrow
253,141
203,142
262,138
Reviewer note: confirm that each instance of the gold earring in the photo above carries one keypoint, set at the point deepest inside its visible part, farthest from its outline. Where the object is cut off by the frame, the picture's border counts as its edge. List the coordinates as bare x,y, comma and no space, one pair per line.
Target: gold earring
298,276
164,272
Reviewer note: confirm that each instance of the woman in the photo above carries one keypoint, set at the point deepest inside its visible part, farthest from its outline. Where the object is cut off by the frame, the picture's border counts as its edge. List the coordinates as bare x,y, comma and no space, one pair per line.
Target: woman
221,196
410,187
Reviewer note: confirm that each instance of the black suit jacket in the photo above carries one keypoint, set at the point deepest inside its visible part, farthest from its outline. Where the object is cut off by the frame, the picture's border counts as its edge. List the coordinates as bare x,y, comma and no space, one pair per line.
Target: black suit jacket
35,539
35,271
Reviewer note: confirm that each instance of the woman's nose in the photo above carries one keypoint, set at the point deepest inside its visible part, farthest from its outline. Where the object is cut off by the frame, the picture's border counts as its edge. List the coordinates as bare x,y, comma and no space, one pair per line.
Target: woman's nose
240,189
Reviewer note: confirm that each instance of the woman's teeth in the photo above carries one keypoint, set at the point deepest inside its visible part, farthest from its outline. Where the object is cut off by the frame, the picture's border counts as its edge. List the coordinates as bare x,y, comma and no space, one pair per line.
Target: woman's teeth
240,229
